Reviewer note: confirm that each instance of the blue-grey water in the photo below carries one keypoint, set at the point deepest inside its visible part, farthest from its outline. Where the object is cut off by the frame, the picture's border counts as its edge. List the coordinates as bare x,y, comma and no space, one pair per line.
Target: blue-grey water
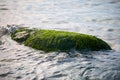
100,18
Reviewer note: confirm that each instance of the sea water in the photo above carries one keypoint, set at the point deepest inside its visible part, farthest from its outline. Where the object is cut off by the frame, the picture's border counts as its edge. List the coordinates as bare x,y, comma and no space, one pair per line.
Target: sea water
100,18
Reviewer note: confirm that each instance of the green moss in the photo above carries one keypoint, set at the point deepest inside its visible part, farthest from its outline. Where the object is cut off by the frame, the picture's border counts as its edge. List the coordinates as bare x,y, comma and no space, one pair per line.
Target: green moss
51,40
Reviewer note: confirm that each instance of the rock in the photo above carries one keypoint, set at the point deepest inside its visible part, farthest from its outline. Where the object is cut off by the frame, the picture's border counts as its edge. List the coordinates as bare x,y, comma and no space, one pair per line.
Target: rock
51,40
21,35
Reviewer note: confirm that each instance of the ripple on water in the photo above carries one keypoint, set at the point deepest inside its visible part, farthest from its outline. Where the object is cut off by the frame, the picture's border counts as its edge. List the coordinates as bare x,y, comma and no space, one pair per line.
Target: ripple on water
4,9
22,63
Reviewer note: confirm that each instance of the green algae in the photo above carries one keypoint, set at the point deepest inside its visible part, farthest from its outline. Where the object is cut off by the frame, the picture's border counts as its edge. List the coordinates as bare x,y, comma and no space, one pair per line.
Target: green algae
51,40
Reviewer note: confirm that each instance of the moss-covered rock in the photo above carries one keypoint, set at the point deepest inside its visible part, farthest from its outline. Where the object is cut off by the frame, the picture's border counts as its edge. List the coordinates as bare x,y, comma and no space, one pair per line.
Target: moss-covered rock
51,40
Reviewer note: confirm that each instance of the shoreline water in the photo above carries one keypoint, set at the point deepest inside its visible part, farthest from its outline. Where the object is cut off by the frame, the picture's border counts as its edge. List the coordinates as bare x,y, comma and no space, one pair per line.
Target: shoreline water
93,17
20,62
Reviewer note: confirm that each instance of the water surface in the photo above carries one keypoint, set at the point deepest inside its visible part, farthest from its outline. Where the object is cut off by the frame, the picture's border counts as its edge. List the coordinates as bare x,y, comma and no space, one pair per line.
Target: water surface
94,17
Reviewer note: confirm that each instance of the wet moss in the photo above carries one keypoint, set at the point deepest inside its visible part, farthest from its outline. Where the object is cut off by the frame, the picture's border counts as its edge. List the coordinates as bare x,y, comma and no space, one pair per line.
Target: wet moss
51,40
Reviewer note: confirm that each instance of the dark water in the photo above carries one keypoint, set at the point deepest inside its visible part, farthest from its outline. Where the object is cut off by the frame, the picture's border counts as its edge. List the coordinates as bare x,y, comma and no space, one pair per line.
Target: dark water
95,17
